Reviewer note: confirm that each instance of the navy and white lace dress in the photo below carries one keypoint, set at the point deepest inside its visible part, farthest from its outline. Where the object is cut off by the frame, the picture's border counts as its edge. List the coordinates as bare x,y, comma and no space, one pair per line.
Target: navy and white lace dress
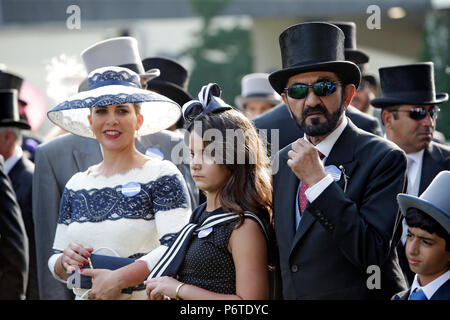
127,213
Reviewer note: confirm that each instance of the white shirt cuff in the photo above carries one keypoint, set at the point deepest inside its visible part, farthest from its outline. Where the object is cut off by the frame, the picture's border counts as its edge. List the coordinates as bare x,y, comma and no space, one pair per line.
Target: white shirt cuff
51,265
315,190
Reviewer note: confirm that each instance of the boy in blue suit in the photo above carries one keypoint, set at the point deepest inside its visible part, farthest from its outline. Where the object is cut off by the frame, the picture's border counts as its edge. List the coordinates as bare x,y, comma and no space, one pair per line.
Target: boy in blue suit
428,241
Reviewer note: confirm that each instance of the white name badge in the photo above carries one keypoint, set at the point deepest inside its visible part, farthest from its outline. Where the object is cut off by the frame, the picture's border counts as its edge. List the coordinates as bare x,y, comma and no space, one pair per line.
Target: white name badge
205,232
334,172
131,189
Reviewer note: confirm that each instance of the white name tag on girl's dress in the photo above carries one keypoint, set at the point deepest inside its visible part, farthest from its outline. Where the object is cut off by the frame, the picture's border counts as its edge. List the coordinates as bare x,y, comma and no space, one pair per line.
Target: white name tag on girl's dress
205,232
131,189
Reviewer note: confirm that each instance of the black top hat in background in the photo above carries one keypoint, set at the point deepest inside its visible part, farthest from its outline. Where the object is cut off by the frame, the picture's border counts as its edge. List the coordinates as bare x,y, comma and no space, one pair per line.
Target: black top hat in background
351,53
408,84
9,110
11,81
313,46
173,80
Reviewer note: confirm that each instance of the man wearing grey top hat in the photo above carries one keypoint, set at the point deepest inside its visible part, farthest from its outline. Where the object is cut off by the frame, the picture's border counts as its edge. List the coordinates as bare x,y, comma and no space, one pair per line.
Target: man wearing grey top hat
409,109
59,159
335,210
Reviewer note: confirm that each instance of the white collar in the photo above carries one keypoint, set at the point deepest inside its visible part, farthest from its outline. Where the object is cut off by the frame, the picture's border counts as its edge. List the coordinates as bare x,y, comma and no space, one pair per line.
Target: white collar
432,287
416,156
327,144
11,161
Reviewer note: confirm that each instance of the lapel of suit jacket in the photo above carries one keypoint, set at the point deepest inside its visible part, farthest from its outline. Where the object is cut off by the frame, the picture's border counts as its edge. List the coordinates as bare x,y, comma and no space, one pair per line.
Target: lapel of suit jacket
341,154
14,174
443,293
431,166
87,154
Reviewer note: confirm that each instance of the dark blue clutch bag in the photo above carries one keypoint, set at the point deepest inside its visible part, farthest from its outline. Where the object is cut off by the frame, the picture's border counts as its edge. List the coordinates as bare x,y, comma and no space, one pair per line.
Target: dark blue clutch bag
104,262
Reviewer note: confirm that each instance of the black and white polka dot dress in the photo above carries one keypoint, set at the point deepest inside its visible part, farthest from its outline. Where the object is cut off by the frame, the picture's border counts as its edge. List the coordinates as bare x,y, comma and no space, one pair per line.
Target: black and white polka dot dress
208,264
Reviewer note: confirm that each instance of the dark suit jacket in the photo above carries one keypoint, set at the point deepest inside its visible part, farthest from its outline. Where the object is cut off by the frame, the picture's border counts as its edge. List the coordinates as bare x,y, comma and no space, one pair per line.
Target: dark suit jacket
21,176
443,293
13,243
279,118
436,158
342,233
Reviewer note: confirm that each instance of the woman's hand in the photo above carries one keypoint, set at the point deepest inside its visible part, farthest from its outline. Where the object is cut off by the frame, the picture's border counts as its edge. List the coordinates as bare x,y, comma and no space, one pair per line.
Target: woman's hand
162,287
75,255
105,284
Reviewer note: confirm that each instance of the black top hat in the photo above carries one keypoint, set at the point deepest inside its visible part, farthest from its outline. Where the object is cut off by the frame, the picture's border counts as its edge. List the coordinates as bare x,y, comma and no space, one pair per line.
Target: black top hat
173,80
9,110
408,84
351,53
11,81
313,46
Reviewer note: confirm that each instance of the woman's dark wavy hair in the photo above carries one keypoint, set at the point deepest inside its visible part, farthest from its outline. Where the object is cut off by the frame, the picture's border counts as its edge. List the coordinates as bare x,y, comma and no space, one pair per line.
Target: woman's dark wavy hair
249,187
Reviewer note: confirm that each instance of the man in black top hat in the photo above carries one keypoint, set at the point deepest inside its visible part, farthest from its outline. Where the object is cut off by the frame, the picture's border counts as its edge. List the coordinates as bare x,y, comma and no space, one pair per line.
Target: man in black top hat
409,107
20,171
29,141
336,217
13,243
279,117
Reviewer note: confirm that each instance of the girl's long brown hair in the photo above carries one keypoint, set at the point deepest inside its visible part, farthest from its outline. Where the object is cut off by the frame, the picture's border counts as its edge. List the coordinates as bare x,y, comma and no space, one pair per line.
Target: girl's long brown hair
249,187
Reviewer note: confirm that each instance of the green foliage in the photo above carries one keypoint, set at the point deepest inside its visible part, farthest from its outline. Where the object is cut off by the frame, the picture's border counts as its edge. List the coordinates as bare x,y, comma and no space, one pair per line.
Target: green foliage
437,49
220,55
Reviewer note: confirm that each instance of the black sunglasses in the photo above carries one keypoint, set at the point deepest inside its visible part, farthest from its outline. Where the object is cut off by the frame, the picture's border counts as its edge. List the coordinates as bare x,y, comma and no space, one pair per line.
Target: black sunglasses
320,88
419,113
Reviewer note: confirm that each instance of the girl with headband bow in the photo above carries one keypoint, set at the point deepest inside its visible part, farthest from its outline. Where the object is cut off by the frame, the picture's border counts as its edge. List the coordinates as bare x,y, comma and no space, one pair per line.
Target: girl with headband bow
223,252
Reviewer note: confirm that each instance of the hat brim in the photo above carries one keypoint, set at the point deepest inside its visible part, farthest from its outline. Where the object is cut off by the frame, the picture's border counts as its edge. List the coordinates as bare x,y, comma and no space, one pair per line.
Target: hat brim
170,90
18,124
382,102
356,56
346,70
406,201
240,101
159,112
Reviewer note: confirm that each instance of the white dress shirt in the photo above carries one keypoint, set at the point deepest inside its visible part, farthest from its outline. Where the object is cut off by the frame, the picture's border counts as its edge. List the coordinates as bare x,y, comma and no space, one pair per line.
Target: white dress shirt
11,162
431,287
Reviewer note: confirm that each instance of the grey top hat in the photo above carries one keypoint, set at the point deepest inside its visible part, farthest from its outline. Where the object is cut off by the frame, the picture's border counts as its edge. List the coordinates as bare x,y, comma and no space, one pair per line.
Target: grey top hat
434,201
256,86
119,52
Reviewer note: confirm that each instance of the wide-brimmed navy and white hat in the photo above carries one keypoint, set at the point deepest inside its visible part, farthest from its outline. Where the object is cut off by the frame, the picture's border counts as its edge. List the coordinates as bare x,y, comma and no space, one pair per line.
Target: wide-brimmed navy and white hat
434,201
109,86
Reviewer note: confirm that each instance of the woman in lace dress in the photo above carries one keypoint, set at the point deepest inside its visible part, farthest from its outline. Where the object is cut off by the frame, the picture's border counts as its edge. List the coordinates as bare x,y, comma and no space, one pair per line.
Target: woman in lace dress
128,205
226,254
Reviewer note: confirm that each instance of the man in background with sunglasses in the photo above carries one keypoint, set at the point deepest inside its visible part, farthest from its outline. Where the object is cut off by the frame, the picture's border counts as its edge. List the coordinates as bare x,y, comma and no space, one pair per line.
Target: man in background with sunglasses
335,188
410,109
